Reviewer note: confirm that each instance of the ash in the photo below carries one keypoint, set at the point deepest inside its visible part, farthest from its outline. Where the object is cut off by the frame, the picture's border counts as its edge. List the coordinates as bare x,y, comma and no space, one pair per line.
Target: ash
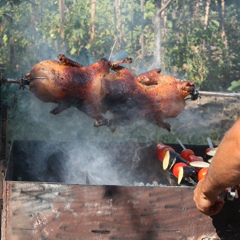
153,184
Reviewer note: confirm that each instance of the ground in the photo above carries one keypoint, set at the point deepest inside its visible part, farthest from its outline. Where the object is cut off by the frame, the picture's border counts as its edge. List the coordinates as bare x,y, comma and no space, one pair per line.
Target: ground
211,117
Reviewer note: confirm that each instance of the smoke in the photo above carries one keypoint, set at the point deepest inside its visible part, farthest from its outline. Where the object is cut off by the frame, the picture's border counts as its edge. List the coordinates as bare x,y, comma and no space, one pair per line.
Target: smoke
75,159
94,164
67,147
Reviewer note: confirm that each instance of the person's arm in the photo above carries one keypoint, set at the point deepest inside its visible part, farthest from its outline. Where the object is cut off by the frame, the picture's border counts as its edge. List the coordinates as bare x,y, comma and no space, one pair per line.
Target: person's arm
223,172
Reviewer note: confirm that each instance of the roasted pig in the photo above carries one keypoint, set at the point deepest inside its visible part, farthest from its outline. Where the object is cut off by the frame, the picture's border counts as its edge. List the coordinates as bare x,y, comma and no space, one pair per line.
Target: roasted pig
107,86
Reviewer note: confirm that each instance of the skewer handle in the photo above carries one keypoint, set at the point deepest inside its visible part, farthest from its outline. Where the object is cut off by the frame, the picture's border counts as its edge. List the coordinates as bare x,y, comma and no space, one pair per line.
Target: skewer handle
181,144
210,144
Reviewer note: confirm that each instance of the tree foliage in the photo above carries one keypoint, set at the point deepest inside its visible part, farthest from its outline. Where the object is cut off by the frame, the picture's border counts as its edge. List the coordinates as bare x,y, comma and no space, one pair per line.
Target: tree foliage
198,41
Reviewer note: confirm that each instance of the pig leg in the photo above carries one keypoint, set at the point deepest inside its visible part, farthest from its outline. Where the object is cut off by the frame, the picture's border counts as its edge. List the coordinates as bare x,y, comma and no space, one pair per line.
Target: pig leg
149,78
117,120
100,121
61,107
94,111
161,123
116,64
164,125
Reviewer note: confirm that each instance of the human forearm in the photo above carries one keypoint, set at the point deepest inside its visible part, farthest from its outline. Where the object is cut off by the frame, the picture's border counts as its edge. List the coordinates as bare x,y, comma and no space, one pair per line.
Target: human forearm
225,167
223,172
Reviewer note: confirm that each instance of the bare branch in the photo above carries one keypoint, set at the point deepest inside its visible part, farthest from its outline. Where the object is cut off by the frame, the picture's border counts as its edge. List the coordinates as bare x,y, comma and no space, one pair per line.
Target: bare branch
164,7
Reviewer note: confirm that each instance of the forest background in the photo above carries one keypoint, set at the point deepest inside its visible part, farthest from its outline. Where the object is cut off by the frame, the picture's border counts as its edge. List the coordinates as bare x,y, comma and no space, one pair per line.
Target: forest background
190,39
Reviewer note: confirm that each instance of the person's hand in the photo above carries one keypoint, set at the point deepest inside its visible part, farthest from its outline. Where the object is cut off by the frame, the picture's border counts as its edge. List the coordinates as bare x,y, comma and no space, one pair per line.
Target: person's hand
206,205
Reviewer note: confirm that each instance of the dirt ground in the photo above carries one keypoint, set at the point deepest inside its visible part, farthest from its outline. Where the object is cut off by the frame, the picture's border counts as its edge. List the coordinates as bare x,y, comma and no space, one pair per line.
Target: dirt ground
211,116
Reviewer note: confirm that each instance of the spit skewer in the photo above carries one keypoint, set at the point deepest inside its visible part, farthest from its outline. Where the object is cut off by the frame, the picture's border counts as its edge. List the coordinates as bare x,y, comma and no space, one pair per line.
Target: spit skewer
218,94
200,93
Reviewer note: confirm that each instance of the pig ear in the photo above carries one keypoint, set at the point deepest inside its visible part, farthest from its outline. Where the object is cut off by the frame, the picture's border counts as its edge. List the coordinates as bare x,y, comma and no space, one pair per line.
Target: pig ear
117,63
68,62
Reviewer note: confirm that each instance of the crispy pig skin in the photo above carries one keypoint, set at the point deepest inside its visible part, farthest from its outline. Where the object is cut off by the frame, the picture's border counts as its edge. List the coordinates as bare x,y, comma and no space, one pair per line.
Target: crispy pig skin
155,98
69,85
95,90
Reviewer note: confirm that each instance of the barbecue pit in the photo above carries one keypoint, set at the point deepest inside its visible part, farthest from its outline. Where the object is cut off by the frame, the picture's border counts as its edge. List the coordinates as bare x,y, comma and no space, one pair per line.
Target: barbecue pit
140,202
38,204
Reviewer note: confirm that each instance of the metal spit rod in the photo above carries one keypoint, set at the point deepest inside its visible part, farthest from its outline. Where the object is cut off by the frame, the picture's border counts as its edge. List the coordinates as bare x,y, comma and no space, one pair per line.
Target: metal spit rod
22,81
219,94
201,93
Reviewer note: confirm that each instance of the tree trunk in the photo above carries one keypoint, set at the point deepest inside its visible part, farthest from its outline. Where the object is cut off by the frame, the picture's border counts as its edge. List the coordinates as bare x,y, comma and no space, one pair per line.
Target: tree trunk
157,35
132,22
118,22
157,31
92,30
142,31
223,33
207,9
164,19
61,10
